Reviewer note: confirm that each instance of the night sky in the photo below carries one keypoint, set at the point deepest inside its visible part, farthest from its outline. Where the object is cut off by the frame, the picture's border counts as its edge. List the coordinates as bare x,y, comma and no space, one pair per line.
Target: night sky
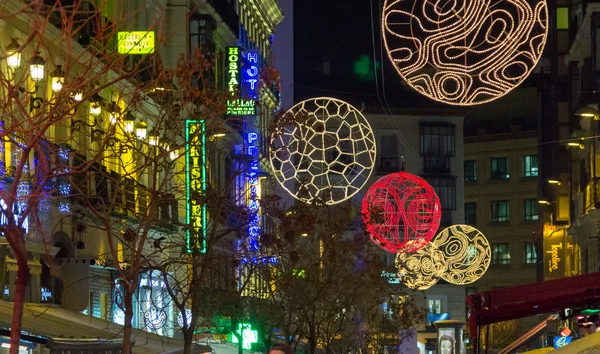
340,31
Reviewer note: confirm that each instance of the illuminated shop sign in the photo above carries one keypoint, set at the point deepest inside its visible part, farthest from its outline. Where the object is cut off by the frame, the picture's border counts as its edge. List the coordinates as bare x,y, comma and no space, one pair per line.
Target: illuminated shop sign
136,42
241,106
195,184
555,240
392,278
560,341
253,182
249,336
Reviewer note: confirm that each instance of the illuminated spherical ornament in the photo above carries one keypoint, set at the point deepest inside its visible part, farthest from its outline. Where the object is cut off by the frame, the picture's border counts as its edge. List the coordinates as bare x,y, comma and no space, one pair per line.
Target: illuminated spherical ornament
464,52
422,269
466,253
155,318
322,151
188,318
401,212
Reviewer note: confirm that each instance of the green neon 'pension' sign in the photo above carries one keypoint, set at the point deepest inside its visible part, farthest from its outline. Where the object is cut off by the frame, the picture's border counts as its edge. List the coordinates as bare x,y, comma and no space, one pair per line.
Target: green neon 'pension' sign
136,42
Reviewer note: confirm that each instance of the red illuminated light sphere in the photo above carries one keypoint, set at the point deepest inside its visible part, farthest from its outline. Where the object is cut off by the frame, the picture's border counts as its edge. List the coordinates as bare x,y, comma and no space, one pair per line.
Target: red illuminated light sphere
401,212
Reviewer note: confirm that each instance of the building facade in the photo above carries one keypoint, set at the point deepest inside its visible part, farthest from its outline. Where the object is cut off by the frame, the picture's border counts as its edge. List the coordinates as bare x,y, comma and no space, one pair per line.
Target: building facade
82,276
427,143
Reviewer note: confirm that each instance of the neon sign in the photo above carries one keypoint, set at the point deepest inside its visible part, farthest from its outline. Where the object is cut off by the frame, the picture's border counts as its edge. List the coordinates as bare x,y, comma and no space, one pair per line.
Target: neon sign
240,106
136,42
249,336
195,185
253,206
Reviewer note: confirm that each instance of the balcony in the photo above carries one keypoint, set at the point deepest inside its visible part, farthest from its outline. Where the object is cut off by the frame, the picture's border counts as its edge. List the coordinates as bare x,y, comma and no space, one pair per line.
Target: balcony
388,164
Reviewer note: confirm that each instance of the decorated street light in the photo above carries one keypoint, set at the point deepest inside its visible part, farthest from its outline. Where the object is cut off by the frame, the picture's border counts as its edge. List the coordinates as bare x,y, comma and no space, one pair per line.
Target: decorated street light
58,79
13,55
140,130
36,67
153,138
113,112
129,123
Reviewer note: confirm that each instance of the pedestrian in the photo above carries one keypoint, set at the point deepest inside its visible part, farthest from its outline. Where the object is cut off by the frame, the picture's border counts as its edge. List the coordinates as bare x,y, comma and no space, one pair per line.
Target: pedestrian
281,348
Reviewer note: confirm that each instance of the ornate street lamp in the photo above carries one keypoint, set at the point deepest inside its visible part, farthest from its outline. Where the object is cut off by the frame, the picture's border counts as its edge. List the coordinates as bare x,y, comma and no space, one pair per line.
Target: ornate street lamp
36,68
58,79
140,130
13,55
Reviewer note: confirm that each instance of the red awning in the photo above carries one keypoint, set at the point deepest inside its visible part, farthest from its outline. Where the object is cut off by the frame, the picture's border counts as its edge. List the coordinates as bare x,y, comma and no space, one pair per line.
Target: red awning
532,299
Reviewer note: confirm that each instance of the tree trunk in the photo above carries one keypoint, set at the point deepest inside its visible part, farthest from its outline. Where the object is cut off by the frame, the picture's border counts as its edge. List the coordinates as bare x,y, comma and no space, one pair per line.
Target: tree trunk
128,305
188,337
22,280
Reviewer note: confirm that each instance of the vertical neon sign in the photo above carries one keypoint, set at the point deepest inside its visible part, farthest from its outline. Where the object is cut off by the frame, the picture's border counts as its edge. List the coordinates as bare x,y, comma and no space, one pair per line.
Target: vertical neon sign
253,182
195,184
238,106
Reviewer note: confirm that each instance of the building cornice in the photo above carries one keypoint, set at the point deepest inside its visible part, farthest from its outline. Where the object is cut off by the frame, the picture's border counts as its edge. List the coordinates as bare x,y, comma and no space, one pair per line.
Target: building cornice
268,10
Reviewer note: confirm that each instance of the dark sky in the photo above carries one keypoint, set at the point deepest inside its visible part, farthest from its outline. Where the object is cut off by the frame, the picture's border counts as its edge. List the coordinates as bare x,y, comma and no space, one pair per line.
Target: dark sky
338,31
342,32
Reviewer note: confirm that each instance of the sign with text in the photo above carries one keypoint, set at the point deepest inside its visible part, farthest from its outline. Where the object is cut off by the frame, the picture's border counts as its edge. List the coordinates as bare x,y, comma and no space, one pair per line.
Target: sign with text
136,42
195,185
554,252
560,341
241,106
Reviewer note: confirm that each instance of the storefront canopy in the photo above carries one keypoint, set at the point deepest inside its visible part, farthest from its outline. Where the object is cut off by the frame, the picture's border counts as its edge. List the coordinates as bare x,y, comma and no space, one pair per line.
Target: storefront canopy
51,322
532,299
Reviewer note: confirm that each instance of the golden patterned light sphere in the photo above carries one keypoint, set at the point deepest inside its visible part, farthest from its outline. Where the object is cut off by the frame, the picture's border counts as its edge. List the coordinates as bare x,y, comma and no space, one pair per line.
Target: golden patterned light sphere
420,270
466,252
464,52
322,150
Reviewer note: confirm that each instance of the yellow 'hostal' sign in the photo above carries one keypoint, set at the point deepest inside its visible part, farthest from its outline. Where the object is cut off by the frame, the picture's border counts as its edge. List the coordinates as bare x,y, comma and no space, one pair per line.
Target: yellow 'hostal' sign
136,42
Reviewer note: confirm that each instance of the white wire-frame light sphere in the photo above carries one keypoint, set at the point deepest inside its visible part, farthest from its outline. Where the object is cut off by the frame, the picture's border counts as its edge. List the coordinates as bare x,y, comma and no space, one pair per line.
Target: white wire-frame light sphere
466,251
322,151
420,270
464,52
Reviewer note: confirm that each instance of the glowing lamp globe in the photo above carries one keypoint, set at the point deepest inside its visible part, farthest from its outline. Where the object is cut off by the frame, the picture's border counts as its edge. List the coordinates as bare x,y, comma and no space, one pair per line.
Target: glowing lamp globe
464,52
401,212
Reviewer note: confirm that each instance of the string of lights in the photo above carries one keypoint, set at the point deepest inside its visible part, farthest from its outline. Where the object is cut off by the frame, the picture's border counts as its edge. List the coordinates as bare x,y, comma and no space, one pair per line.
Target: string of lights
323,150
466,52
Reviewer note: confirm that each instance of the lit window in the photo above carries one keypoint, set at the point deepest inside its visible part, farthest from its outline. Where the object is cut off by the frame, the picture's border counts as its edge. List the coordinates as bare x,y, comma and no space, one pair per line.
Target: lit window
470,171
500,168
501,253
531,209
530,166
531,256
500,211
562,18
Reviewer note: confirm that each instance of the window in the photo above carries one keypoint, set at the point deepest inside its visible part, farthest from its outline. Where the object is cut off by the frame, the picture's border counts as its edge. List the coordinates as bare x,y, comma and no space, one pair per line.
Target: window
434,306
530,166
531,209
500,211
201,33
470,213
446,191
470,171
501,253
387,156
437,140
500,168
562,18
530,253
